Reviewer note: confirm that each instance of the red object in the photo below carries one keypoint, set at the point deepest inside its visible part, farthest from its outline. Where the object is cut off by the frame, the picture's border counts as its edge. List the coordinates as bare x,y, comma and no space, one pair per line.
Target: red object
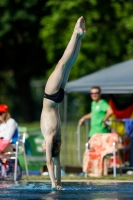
3,144
3,108
121,114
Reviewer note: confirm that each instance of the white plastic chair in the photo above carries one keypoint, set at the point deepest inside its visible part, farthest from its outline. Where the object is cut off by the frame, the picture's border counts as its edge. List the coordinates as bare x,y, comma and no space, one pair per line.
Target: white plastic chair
113,153
19,150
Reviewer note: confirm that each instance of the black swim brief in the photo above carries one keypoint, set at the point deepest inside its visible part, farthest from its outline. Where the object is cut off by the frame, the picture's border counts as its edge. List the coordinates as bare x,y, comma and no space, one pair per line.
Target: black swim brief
57,97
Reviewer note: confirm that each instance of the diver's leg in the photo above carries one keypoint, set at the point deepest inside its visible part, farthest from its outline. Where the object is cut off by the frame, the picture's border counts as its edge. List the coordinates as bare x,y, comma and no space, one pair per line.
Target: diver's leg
60,75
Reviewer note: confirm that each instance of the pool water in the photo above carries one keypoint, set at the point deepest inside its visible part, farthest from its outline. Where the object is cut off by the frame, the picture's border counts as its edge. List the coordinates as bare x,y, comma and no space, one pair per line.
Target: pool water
71,191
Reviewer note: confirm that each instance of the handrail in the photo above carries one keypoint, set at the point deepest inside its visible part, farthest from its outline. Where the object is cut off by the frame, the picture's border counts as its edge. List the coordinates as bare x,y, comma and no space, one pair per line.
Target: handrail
114,159
78,145
79,141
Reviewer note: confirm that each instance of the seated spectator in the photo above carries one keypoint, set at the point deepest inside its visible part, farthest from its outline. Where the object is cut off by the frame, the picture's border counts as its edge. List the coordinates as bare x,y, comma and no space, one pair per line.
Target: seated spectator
8,138
8,130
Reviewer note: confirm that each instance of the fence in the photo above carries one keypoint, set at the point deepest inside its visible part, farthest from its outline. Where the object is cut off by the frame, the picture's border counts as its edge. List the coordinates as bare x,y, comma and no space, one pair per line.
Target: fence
73,143
74,138
72,147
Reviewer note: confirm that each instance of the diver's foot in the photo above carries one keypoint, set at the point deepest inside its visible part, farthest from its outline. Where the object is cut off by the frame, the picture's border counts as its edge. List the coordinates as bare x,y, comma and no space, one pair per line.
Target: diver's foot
80,26
58,187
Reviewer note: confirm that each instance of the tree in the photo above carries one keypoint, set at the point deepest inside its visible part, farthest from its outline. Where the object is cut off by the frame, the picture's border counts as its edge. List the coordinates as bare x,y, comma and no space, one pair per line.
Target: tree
109,32
22,57
34,34
108,39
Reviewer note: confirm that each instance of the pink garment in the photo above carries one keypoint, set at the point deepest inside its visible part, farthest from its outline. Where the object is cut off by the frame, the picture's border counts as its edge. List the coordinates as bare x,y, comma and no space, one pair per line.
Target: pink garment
100,145
3,144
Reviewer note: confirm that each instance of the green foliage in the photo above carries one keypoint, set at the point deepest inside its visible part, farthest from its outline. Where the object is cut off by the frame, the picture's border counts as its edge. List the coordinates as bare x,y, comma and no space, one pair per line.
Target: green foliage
34,34
109,32
21,52
7,84
12,11
108,40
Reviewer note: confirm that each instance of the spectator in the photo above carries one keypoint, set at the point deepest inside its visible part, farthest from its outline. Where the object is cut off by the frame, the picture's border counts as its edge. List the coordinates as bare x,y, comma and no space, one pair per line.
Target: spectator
100,112
8,137
8,130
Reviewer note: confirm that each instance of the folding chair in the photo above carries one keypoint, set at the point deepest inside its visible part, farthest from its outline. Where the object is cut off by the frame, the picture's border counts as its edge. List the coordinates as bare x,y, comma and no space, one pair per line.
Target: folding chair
112,152
19,149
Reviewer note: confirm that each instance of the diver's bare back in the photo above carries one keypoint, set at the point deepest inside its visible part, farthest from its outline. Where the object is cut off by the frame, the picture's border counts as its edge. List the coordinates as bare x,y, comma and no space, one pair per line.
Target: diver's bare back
50,119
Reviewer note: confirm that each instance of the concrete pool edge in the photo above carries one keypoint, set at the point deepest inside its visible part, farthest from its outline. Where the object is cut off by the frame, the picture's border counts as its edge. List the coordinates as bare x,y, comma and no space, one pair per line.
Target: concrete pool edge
82,180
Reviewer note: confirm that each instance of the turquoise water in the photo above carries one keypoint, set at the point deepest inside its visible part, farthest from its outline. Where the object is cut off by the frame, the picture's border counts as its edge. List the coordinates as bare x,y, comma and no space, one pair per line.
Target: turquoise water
71,191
